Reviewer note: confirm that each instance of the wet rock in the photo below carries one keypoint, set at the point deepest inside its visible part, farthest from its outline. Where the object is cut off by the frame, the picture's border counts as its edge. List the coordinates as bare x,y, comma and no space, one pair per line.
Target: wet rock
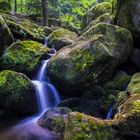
54,119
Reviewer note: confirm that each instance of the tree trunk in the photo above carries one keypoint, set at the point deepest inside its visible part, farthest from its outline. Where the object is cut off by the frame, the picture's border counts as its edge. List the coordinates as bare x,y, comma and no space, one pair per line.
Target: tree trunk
14,7
45,12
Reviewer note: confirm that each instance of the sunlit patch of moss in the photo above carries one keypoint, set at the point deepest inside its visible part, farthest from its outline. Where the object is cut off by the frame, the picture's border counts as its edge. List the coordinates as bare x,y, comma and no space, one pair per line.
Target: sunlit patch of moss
128,116
83,127
61,37
134,85
25,28
24,56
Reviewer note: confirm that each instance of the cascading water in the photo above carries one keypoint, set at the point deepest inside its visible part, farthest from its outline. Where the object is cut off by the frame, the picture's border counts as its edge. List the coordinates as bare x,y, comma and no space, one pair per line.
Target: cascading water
43,85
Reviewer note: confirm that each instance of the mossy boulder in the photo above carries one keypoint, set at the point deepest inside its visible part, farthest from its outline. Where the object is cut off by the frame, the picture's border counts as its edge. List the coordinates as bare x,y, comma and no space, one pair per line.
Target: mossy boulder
92,59
128,117
134,85
83,127
24,56
119,81
105,18
127,13
5,6
24,29
17,93
95,12
6,38
61,38
54,119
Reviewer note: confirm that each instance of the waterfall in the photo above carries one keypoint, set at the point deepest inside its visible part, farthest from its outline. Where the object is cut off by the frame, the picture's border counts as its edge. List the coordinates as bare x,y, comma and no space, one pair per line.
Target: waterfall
110,112
44,88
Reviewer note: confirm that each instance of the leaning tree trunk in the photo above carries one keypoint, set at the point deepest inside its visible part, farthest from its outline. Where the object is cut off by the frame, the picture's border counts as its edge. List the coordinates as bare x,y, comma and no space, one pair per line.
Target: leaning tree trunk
45,12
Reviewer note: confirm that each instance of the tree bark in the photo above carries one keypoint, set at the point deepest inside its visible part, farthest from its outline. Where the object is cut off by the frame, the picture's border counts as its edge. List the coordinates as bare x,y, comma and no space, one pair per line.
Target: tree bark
45,12
14,7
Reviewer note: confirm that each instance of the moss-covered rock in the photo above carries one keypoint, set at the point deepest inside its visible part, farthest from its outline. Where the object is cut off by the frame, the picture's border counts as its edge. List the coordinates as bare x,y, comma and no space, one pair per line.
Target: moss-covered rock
16,92
5,6
120,81
95,12
83,127
92,59
128,117
127,13
24,56
61,37
24,29
6,38
54,119
134,85
105,18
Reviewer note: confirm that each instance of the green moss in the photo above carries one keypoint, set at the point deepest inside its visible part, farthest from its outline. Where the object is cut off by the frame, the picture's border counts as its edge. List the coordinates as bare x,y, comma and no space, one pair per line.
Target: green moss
24,56
96,11
134,85
83,127
25,28
105,18
128,117
61,37
83,59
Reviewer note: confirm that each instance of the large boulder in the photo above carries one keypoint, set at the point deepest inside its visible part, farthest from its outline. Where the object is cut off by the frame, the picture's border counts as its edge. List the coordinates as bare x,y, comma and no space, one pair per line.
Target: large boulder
127,14
127,118
5,6
83,127
17,93
61,37
92,59
24,29
95,12
24,56
6,38
54,119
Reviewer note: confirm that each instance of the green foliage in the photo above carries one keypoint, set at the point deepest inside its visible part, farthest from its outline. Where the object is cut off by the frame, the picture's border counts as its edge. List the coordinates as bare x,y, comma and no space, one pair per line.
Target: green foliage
69,12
